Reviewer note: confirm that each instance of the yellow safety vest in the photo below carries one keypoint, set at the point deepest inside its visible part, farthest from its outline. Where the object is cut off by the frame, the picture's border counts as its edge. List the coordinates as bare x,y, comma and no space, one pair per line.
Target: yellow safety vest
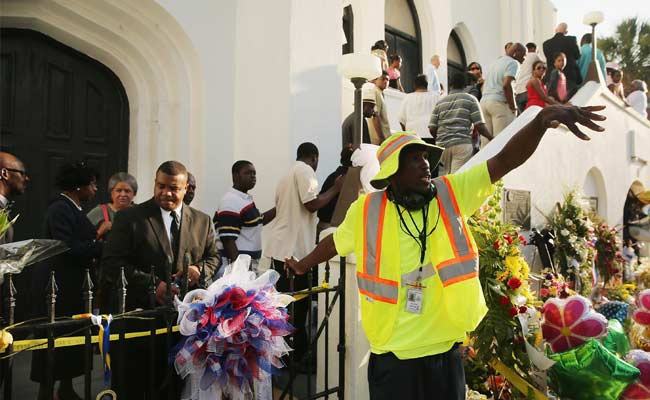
381,284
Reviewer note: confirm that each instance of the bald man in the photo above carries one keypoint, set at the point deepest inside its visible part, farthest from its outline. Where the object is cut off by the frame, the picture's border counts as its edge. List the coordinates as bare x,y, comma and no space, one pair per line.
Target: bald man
13,182
498,100
568,45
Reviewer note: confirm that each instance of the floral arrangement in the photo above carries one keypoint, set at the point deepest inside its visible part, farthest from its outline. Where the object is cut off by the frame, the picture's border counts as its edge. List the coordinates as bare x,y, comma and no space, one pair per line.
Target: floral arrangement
554,285
609,260
504,278
573,235
233,335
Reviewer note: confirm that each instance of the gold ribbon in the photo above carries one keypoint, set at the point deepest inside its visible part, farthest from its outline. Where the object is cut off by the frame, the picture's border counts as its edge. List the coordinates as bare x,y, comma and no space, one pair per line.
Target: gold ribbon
516,380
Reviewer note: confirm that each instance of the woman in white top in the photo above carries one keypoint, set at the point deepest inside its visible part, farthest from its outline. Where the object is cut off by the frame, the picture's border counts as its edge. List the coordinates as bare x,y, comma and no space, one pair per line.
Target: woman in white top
638,98
416,108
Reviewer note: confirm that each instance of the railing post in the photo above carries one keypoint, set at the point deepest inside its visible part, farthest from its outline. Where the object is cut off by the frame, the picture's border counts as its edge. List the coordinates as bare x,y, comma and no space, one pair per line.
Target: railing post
152,332
52,290
185,281
8,363
87,288
121,288
341,346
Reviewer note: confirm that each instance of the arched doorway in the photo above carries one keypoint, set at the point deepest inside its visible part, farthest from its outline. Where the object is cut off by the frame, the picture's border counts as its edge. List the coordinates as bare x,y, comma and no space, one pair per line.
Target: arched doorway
402,31
456,60
58,105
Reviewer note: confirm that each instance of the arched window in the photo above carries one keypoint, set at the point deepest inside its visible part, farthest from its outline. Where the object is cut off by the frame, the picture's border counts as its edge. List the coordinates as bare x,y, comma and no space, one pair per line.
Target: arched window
456,61
402,32
348,30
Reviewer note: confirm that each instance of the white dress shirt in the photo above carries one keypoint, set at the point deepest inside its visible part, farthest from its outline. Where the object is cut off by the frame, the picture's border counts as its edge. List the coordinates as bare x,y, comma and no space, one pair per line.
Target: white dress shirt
526,72
167,220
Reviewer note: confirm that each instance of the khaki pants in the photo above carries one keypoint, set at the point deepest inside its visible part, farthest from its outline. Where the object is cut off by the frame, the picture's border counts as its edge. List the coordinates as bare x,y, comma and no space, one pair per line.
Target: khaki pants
497,115
454,157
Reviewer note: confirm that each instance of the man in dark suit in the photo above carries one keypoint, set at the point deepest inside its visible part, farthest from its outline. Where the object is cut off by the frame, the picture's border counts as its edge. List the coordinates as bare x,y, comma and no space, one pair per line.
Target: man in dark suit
150,234
568,45
13,182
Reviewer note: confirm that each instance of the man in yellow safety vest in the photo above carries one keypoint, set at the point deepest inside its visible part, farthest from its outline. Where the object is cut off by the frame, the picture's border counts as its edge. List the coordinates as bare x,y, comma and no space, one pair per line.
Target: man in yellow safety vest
417,263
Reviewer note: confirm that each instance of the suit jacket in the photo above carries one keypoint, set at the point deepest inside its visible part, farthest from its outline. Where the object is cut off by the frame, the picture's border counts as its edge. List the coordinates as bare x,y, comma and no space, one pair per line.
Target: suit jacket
139,240
569,46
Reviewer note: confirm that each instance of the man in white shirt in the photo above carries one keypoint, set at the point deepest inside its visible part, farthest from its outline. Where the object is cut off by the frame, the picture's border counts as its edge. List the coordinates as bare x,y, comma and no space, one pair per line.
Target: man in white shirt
293,231
432,75
416,108
523,76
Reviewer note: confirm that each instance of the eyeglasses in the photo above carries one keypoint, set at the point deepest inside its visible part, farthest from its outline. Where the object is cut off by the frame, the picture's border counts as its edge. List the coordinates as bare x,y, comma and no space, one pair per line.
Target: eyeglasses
22,172
475,69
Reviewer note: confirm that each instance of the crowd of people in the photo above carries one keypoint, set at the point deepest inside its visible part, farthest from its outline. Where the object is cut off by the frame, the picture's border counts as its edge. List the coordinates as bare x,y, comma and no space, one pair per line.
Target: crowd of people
165,239
521,78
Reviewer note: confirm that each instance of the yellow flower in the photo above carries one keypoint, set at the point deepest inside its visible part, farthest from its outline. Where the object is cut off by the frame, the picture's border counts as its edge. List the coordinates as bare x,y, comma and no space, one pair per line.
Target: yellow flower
5,339
502,276
553,290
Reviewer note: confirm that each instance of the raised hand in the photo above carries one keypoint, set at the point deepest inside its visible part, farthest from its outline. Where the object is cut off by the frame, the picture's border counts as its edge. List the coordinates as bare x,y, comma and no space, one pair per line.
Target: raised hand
569,115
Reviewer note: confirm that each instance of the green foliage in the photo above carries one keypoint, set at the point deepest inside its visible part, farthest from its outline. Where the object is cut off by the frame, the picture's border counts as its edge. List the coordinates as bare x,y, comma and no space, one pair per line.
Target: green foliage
504,279
630,47
5,222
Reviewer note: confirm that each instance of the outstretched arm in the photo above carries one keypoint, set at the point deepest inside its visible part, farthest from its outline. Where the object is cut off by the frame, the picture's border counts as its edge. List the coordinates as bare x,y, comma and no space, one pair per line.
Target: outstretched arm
323,252
523,144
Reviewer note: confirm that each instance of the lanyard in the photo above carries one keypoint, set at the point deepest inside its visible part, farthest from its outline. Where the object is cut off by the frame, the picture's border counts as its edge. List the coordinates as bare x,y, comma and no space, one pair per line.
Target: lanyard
422,234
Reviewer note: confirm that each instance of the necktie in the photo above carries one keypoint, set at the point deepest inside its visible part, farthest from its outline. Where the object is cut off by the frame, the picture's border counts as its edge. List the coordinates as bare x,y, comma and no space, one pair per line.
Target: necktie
175,232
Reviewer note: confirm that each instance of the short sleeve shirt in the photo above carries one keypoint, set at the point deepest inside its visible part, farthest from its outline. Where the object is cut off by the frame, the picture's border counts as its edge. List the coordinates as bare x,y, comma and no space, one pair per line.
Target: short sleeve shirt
493,85
454,116
409,339
293,230
239,218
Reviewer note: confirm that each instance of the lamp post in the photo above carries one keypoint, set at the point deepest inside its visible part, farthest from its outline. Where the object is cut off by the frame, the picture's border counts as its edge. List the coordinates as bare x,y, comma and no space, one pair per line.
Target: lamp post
358,68
593,73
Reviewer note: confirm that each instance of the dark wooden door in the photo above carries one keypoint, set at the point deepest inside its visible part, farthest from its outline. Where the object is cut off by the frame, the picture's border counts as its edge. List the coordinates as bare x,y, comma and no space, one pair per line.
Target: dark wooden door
408,48
57,105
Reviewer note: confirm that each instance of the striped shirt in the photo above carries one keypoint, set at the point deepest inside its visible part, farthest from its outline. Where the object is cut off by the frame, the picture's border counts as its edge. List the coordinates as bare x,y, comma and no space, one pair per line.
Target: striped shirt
239,218
454,115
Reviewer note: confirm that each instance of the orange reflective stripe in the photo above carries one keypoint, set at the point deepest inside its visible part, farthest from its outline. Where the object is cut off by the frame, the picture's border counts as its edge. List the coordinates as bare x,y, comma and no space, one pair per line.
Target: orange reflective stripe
460,278
374,208
392,147
450,231
365,233
380,232
378,297
376,279
457,209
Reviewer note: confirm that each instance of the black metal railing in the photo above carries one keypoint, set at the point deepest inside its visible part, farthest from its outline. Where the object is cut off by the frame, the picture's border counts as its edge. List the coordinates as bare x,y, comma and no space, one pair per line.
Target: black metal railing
82,328
322,332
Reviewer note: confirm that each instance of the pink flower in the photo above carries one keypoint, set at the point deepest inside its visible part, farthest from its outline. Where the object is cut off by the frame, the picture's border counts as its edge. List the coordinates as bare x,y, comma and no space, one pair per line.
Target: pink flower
544,292
569,322
642,314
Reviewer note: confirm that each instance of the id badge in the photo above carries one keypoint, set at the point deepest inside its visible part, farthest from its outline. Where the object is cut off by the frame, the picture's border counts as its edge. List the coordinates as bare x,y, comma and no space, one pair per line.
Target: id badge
414,297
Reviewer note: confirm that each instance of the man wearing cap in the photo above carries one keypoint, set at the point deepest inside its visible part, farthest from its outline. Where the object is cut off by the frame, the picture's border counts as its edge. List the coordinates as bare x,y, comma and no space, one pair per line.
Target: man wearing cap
417,263
368,112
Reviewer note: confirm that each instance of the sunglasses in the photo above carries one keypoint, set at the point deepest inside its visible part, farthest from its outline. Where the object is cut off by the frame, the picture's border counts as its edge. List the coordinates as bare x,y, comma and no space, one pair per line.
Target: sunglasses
22,172
542,68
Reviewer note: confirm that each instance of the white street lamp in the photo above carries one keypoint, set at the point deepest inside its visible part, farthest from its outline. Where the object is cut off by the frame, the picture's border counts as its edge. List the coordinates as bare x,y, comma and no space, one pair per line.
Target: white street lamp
593,18
358,68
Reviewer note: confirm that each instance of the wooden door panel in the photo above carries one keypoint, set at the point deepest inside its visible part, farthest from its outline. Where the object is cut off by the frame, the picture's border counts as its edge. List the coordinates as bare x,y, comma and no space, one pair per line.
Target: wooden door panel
58,105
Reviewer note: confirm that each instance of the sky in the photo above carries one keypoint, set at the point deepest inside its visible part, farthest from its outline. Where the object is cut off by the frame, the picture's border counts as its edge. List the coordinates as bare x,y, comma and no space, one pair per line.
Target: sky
572,12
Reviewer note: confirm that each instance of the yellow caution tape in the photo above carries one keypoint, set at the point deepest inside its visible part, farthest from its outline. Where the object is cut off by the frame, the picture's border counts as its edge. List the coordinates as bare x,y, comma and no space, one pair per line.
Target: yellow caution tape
40,344
516,380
